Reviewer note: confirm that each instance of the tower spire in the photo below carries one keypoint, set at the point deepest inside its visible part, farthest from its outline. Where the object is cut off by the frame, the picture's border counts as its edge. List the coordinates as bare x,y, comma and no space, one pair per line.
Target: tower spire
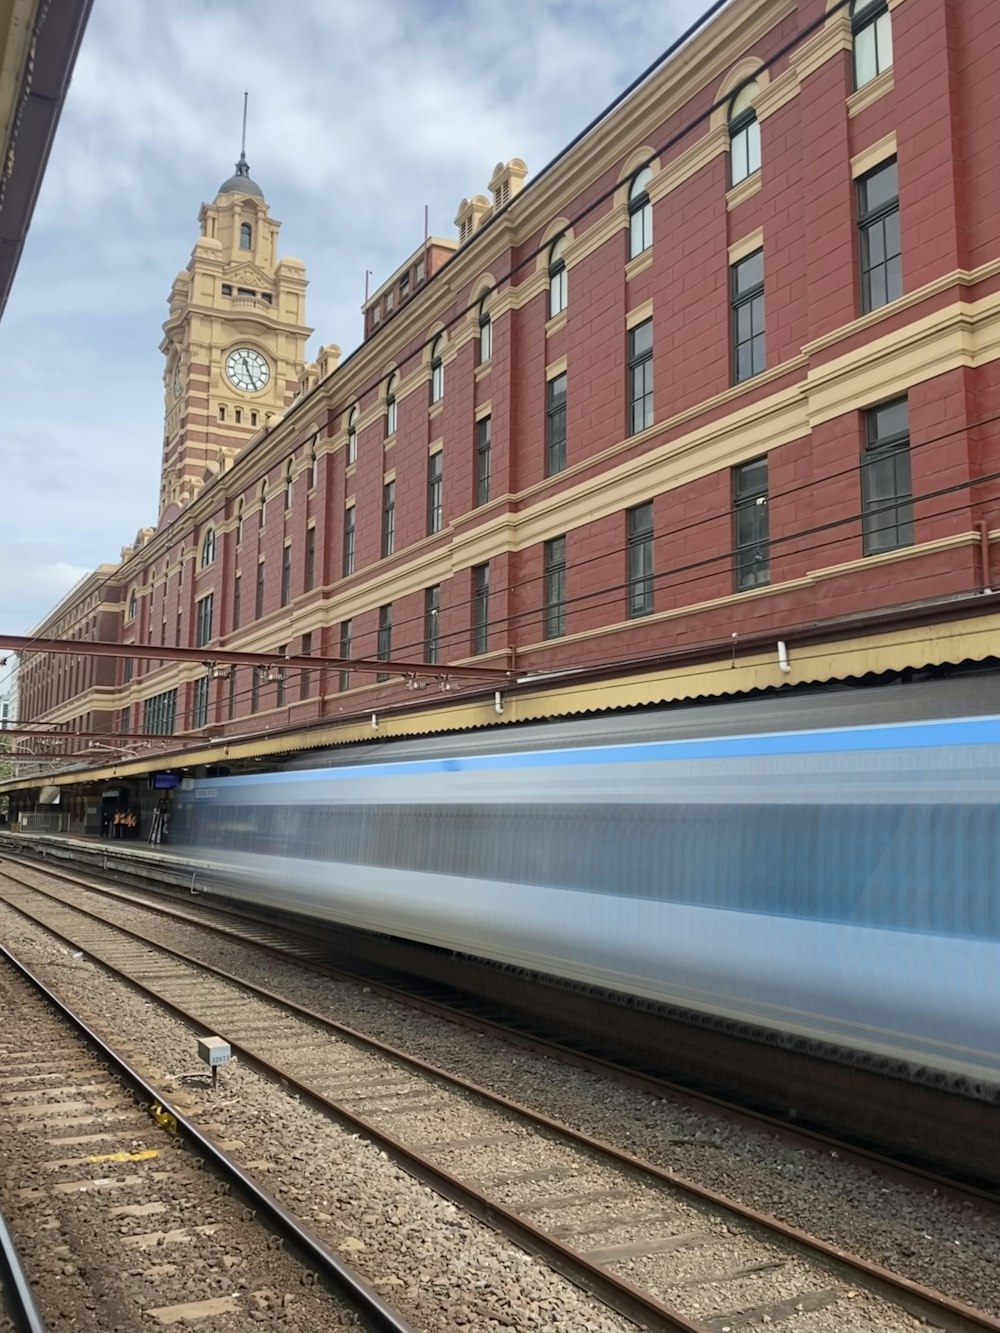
242,169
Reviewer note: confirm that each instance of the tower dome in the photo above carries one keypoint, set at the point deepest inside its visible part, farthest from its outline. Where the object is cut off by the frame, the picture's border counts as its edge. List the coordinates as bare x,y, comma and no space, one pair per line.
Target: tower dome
241,182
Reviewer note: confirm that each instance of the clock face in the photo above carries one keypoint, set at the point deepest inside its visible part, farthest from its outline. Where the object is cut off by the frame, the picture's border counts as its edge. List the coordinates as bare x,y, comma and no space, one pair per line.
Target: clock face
247,369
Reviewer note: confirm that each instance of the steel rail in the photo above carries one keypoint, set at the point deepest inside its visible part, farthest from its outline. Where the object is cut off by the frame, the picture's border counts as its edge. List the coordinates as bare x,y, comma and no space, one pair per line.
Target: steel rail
909,1173
921,1301
344,1280
17,1289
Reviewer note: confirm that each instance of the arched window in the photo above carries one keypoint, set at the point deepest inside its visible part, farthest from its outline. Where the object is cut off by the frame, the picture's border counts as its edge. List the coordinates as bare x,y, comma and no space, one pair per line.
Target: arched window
485,332
640,213
313,467
558,277
390,405
352,436
437,369
288,485
263,503
208,549
744,135
246,236
872,29
133,605
239,522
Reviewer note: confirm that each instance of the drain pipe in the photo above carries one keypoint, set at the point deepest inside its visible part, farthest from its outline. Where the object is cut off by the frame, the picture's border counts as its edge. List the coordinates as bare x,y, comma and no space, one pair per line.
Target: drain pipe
783,657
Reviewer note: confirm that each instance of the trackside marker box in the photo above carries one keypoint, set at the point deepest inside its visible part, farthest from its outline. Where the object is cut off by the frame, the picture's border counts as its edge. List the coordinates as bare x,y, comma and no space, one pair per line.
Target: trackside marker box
214,1051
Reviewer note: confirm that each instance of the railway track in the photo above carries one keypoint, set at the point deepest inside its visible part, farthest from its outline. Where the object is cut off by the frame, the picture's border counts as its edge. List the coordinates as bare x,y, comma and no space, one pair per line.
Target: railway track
17,1300
126,1213
664,1252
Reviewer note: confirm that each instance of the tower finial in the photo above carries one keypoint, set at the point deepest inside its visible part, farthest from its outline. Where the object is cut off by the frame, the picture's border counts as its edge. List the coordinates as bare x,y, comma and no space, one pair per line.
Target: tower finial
241,166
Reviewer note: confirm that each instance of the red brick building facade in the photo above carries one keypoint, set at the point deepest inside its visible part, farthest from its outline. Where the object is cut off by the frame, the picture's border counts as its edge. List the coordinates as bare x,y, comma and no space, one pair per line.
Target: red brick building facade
727,372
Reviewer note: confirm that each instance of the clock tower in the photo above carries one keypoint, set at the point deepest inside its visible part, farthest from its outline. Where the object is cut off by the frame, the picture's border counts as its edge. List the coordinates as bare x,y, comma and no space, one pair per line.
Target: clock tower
234,340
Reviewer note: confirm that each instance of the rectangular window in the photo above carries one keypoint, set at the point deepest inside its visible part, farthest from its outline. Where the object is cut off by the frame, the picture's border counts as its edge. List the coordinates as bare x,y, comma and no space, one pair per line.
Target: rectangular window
435,492
204,620
872,28
484,441
555,425
231,706
238,415
886,488
555,588
750,527
639,560
349,534
404,287
258,606
388,518
309,577
129,669
280,699
640,376
878,224
305,677
254,689
432,615
159,714
227,289
286,575
480,609
237,597
199,703
384,637
178,625
747,301
124,721
346,641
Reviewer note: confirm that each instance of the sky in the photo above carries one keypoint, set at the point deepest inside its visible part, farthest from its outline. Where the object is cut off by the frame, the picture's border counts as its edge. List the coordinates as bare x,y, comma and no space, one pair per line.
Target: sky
361,112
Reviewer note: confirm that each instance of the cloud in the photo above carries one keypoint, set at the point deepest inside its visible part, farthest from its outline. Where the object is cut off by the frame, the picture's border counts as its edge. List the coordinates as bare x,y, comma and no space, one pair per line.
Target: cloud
360,114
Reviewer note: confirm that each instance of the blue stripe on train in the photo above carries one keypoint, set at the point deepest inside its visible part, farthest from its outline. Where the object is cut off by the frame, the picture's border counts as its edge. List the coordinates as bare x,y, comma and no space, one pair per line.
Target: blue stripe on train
841,740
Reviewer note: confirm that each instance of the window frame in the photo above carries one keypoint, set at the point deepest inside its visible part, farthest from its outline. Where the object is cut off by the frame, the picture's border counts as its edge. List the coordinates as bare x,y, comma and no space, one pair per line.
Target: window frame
894,449
750,497
640,213
346,647
286,574
391,418
484,452
246,236
485,332
480,633
554,588
870,219
744,134
388,518
208,549
558,277
383,651
866,17
556,414
638,361
352,436
348,551
432,623
204,616
640,570
260,589
309,563
435,492
437,370
738,302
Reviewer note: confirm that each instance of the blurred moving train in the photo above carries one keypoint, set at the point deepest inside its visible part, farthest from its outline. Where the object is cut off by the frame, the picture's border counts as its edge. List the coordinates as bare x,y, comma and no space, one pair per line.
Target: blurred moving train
821,864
